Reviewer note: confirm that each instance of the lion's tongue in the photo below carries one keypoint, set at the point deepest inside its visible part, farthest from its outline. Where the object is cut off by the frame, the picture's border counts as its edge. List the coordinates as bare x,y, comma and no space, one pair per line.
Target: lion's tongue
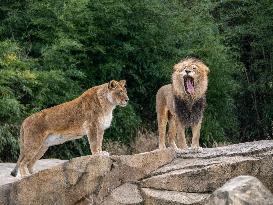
190,87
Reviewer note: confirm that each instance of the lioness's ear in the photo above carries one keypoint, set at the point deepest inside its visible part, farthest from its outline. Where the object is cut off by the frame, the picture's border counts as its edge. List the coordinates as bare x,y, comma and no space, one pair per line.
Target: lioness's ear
122,83
112,84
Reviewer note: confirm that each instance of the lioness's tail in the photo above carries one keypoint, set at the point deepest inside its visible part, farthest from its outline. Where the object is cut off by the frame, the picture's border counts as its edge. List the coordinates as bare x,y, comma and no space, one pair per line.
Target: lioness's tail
14,172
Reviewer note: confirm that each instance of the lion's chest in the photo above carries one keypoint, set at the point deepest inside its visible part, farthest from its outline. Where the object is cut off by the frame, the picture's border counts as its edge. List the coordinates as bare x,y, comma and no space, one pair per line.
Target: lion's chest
106,120
189,116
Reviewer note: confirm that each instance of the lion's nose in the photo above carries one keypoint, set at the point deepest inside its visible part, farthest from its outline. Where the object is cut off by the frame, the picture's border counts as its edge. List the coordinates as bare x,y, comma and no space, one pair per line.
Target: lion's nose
126,100
187,71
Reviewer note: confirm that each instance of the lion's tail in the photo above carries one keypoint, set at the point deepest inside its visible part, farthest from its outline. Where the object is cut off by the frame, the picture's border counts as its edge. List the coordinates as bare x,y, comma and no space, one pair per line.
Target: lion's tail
14,172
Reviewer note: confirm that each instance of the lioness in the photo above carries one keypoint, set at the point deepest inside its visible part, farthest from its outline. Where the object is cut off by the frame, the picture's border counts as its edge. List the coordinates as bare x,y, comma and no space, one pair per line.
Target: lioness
89,114
181,104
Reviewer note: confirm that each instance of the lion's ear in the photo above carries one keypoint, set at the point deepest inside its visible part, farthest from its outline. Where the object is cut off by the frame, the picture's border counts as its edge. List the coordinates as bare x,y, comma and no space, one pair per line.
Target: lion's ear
175,67
206,69
112,84
122,83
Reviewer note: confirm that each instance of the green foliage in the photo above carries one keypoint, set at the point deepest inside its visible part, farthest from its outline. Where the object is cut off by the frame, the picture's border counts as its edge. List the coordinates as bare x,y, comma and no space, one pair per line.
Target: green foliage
9,145
247,28
24,90
51,51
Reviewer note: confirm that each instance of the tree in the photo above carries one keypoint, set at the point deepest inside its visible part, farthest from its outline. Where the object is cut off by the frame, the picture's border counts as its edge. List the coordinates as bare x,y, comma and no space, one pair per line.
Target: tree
247,27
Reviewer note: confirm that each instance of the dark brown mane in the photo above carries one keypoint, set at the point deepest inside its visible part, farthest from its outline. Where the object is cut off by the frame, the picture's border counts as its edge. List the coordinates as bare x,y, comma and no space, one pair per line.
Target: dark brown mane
189,114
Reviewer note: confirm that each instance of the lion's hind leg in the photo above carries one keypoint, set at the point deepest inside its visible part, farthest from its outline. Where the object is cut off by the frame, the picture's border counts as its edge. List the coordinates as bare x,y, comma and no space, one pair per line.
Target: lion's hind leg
162,120
172,131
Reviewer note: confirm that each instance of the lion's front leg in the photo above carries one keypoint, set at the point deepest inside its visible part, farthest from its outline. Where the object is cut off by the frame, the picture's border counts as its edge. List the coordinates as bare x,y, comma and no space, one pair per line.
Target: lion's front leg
196,136
181,137
95,138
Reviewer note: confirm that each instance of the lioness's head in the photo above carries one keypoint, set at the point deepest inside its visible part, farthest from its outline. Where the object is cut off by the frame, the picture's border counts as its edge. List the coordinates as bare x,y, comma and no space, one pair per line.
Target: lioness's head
118,93
190,78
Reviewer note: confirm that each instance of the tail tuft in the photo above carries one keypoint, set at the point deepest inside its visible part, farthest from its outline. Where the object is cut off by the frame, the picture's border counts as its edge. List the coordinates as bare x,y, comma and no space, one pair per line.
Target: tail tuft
14,171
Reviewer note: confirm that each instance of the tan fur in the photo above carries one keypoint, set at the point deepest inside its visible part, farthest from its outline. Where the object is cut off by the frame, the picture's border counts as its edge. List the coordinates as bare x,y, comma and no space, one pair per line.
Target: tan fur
165,103
89,114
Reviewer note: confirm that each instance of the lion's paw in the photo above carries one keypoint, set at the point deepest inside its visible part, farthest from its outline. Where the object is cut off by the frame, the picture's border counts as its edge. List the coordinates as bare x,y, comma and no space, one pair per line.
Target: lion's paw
162,146
104,153
196,149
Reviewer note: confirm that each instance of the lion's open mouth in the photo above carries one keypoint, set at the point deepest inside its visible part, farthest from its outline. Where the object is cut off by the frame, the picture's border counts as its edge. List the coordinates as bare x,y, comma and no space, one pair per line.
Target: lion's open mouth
189,85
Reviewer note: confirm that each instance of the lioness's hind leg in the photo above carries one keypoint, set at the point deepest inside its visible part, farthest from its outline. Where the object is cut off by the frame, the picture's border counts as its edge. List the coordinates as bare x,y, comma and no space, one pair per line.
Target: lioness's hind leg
30,150
22,164
40,153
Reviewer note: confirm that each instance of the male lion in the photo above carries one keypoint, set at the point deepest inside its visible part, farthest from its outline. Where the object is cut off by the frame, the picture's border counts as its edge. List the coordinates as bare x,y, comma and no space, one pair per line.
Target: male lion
181,104
89,114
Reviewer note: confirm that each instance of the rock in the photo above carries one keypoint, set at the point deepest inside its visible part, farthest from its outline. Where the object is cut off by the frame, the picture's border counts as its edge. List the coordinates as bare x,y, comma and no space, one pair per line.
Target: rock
153,197
68,183
6,168
240,191
209,170
124,194
132,168
157,177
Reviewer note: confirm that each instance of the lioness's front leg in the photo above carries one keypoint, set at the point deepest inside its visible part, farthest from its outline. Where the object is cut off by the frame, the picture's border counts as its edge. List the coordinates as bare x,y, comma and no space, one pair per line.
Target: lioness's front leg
95,137
196,136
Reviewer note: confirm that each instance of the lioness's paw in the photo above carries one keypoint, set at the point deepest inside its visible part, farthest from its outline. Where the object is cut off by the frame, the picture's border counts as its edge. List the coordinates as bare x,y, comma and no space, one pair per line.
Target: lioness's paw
19,176
196,149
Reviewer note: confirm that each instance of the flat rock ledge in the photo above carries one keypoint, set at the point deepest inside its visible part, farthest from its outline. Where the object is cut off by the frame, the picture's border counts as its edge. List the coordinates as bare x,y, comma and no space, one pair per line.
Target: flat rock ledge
157,177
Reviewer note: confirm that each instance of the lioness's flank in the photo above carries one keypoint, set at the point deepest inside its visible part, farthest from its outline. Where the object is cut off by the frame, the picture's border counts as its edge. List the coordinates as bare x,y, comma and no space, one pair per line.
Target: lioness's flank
89,114
182,103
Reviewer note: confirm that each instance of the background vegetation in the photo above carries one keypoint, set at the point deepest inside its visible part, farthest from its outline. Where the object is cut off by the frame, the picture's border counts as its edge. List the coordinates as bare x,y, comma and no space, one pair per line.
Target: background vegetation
53,50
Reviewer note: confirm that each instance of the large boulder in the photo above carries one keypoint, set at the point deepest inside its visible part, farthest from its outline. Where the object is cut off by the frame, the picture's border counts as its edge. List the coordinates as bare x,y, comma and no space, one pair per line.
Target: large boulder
240,191
157,177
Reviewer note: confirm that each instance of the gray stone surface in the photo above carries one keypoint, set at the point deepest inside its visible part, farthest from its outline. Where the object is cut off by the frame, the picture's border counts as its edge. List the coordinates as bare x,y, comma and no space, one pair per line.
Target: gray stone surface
164,197
206,171
6,168
124,194
157,177
241,190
